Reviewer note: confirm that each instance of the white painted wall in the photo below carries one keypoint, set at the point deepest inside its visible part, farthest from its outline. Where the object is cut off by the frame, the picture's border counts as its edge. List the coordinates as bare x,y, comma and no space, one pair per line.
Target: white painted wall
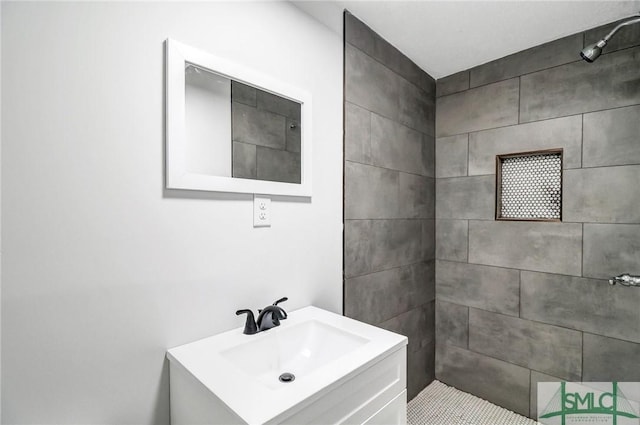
102,270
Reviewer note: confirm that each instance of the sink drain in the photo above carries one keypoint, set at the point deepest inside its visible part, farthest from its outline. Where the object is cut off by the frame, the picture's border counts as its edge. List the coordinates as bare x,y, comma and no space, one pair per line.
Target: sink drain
287,377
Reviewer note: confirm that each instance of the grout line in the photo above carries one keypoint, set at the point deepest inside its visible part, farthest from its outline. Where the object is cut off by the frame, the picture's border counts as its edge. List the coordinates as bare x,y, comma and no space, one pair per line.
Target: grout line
582,142
390,219
468,154
520,270
391,268
582,250
468,241
395,120
535,121
530,380
519,97
604,166
582,356
468,326
520,294
390,169
608,337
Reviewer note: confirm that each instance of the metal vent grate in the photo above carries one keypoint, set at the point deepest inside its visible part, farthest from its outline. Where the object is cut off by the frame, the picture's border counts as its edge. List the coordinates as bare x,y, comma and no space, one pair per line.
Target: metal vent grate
530,186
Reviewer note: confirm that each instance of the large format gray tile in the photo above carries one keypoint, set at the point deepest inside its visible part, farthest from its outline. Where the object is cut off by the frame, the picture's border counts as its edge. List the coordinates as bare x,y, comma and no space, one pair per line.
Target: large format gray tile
375,87
452,83
373,192
357,134
452,155
279,166
377,297
499,382
452,324
565,133
416,196
417,324
420,369
416,108
495,105
370,192
466,197
581,87
608,359
579,303
396,146
544,56
364,38
547,348
451,239
370,84
257,127
627,36
546,247
488,288
611,137
375,245
602,195
611,249
535,378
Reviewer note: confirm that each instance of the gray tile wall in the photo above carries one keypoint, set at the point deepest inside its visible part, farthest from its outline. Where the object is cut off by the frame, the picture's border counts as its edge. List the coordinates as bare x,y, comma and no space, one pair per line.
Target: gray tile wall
389,195
523,302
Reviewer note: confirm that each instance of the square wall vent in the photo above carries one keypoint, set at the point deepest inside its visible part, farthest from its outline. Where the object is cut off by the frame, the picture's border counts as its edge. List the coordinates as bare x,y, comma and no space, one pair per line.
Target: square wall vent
529,186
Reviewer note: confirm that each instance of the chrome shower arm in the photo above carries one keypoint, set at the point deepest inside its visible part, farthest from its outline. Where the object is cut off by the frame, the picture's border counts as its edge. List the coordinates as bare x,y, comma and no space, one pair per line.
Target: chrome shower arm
617,28
625,280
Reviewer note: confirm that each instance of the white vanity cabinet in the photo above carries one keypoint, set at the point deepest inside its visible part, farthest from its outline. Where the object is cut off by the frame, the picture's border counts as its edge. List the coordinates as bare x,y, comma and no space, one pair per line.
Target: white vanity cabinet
347,372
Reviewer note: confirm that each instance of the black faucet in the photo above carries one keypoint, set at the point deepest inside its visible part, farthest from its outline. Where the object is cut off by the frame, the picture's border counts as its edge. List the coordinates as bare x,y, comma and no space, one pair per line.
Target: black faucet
269,317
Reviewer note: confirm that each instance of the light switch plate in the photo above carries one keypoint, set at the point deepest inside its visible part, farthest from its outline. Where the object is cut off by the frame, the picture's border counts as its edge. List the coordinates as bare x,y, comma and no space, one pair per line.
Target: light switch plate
261,211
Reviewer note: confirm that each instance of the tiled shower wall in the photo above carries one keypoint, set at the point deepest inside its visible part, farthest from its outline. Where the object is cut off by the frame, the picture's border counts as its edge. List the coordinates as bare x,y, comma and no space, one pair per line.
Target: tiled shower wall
522,302
389,197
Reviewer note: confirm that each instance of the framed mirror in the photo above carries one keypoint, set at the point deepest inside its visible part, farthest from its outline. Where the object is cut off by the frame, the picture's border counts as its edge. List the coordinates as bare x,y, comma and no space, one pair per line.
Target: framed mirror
233,129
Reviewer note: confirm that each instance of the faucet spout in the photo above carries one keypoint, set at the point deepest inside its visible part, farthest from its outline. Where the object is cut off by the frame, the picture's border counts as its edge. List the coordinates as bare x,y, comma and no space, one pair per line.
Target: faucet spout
250,327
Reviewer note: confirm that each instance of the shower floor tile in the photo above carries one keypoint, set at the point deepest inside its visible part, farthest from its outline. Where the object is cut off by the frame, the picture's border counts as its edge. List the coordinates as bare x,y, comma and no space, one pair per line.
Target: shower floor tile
440,404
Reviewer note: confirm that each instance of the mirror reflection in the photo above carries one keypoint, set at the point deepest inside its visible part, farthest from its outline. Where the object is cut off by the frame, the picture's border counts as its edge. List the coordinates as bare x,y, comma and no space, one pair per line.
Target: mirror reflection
236,130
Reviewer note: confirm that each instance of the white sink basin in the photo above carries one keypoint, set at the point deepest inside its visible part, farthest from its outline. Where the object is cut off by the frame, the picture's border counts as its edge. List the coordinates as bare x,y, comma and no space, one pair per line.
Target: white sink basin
299,349
320,348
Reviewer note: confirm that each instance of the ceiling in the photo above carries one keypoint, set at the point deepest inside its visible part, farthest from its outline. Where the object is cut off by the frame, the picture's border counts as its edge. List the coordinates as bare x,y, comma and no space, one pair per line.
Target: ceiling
444,37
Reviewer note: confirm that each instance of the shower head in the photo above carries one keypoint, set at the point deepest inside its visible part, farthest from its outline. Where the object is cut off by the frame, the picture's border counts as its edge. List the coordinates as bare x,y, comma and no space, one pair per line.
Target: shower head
593,51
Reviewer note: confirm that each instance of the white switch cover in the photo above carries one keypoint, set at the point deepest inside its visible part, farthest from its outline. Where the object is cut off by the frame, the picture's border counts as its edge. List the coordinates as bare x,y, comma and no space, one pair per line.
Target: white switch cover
261,211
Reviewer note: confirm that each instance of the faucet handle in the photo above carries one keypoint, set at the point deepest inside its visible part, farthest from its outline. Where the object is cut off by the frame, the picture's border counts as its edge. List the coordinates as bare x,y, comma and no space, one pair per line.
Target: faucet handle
280,313
281,300
250,327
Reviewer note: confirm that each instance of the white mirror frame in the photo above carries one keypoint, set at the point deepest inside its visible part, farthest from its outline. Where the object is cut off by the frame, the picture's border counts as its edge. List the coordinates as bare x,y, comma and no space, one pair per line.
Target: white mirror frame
177,176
